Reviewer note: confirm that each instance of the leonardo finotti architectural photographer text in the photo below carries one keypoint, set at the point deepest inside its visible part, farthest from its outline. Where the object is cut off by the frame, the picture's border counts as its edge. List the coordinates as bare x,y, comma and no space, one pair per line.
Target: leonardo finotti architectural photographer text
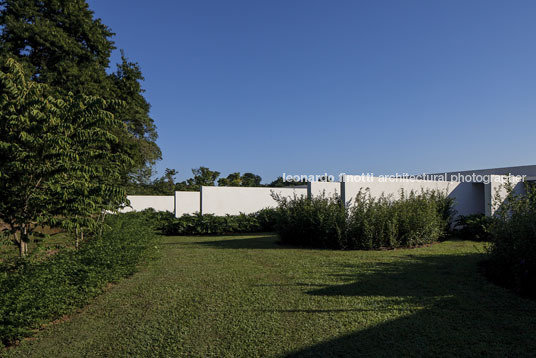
370,177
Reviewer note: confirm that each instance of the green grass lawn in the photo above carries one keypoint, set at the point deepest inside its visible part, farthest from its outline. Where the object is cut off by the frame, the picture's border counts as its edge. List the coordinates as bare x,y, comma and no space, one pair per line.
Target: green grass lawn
245,296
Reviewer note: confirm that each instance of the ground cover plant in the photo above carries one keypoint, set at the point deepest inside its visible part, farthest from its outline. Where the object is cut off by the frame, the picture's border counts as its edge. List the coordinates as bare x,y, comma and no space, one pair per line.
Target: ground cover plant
247,296
36,291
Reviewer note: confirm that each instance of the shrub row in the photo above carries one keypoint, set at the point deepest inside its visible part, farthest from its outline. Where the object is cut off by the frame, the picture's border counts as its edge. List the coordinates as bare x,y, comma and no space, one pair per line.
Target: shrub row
512,260
34,293
367,223
261,221
476,227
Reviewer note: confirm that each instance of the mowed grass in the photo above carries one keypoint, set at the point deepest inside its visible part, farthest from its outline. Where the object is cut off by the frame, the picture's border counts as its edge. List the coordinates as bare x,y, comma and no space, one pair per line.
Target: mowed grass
246,296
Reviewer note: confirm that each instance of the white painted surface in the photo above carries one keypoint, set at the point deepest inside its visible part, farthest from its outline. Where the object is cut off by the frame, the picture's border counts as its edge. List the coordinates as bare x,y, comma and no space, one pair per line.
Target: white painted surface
329,189
496,191
156,202
187,202
468,197
226,200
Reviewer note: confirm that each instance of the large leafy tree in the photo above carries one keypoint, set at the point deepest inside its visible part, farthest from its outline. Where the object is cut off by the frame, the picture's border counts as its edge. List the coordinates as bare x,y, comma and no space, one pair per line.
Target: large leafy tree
58,42
140,140
57,159
61,44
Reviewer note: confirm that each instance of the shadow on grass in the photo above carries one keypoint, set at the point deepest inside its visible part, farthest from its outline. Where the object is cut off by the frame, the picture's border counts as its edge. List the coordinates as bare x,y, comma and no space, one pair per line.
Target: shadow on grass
239,241
441,307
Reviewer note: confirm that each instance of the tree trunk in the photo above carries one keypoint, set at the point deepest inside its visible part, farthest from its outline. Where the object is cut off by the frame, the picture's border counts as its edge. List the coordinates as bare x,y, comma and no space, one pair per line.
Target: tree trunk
24,248
25,239
19,243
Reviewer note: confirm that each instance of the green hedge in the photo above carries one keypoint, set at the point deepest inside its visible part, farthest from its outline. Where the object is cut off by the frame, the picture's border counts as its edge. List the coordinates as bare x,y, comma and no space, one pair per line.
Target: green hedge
368,223
261,221
34,293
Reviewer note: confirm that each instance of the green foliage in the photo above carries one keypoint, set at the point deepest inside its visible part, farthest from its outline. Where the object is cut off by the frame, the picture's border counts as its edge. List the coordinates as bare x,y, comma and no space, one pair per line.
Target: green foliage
36,292
318,222
209,224
410,221
157,219
203,176
369,223
475,227
235,179
165,185
59,163
512,260
59,43
139,141
266,219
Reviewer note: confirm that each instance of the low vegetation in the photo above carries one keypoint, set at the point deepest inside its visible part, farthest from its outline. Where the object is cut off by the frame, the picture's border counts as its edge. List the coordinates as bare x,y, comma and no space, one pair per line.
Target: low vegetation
197,224
367,223
36,291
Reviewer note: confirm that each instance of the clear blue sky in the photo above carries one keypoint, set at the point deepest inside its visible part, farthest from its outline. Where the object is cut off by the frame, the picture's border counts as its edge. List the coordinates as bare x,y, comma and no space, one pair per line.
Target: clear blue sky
307,87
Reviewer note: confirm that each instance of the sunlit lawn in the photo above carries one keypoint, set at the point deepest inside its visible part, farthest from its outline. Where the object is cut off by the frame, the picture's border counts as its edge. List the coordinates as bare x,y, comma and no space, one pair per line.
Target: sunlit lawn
246,296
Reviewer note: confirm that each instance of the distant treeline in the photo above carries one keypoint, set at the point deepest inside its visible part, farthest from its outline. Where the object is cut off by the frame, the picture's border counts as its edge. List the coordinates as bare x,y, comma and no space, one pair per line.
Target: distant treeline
202,176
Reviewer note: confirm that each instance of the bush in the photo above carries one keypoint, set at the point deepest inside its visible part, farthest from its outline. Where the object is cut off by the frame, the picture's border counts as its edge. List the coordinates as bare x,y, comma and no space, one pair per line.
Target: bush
209,224
475,227
317,222
267,219
368,223
157,219
34,293
512,260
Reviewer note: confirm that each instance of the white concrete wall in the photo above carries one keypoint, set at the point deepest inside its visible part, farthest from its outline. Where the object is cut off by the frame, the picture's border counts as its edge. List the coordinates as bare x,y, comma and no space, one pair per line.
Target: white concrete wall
223,200
496,192
468,197
328,188
156,202
187,202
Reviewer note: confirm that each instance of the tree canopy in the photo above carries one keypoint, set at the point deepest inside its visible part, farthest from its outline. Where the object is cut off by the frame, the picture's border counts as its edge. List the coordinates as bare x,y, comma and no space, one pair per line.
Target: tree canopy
61,44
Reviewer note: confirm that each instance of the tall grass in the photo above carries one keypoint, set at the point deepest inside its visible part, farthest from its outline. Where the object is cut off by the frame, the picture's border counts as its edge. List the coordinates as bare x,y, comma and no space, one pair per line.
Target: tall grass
318,222
367,222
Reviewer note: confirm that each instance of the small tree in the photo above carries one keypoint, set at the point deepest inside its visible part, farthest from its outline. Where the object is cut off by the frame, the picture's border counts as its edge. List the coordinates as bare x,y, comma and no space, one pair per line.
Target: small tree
58,163
90,184
30,151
